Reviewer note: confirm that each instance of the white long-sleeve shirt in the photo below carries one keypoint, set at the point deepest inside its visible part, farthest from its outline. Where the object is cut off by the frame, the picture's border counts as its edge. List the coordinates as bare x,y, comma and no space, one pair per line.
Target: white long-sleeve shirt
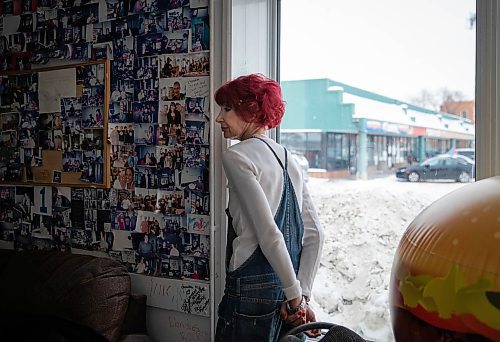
255,181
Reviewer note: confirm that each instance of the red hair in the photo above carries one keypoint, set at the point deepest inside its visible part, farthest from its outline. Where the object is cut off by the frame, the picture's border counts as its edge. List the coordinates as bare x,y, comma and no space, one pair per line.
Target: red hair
255,98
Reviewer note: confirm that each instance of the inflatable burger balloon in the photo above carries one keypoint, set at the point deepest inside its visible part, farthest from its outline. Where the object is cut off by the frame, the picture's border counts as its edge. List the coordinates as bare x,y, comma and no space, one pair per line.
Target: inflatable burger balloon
445,281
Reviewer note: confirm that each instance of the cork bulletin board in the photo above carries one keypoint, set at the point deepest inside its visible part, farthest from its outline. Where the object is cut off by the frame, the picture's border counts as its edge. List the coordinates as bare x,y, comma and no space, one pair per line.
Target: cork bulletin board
54,125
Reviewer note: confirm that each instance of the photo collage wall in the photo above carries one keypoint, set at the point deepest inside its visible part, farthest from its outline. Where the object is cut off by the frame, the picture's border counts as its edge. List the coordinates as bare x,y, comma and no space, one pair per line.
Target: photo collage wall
155,218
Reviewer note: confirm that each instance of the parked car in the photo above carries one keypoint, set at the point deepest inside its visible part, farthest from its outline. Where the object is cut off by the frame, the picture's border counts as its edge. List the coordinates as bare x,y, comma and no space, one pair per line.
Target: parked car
303,163
461,156
438,168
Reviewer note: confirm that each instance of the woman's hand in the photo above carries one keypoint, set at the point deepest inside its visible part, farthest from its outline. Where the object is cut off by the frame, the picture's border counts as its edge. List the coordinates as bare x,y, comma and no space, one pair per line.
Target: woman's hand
300,317
296,318
311,317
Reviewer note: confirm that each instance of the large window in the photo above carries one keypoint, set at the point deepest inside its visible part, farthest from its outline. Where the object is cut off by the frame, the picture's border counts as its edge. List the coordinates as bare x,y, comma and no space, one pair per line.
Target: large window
378,90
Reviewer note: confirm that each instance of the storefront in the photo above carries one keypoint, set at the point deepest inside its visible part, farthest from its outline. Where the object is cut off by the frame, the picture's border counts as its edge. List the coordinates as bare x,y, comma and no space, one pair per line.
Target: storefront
352,130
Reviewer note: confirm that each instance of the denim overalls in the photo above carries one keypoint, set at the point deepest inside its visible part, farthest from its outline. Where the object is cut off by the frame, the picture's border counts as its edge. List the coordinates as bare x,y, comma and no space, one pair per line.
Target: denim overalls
250,307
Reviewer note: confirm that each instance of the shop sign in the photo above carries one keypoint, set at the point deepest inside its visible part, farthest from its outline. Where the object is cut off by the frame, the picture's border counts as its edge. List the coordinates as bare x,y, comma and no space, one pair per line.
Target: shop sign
434,133
374,126
418,131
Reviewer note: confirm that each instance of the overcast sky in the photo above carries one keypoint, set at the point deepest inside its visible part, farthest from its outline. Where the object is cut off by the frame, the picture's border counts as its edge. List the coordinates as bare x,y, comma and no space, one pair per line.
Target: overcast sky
392,47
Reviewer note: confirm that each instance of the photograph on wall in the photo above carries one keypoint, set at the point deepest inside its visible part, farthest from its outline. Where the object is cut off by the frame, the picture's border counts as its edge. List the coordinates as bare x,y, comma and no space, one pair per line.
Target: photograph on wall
197,64
124,220
197,132
168,179
123,156
93,96
102,51
145,199
146,178
148,222
102,32
92,117
145,112
170,202
77,207
170,156
151,44
42,230
145,134
80,238
146,68
199,224
29,158
196,155
196,107
103,200
170,265
146,90
171,134
10,225
197,246
145,248
10,164
172,89
200,30
126,26
175,19
72,161
195,179
121,135
90,75
122,178
24,201
71,107
120,112
123,69
172,112
121,200
198,202
122,90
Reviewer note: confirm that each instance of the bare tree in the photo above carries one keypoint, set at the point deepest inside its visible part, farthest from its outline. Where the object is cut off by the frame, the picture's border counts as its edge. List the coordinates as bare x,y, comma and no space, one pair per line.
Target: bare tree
440,100
425,99
449,99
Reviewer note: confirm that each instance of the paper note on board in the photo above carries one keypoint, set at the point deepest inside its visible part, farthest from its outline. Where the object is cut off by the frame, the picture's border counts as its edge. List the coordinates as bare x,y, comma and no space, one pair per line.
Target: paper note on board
54,85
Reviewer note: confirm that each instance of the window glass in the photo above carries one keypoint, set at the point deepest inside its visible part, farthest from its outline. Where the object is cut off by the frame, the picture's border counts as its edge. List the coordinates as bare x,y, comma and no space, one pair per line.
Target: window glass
369,98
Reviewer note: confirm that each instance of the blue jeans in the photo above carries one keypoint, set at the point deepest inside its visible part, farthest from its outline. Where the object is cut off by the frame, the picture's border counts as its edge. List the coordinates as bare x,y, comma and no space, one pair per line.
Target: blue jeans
250,309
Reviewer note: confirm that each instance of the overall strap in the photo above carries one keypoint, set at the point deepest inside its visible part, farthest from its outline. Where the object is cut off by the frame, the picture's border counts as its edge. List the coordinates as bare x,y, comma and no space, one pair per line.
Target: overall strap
275,155
231,235
288,217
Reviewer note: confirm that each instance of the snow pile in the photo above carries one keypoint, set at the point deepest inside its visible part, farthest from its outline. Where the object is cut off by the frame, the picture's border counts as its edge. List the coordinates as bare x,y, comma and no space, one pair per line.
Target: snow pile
363,221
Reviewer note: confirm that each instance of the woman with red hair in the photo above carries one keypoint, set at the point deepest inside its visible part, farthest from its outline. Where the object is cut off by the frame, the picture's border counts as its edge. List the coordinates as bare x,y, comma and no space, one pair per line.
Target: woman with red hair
274,235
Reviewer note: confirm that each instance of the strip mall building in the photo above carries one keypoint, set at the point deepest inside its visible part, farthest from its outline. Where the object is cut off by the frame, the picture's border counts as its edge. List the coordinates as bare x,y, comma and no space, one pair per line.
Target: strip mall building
345,130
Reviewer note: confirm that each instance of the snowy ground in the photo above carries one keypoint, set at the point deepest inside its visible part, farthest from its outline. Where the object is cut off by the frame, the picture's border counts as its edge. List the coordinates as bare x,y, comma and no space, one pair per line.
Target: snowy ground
363,221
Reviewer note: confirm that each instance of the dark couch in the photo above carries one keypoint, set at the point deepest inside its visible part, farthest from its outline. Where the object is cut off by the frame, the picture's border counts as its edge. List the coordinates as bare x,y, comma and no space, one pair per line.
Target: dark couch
55,296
